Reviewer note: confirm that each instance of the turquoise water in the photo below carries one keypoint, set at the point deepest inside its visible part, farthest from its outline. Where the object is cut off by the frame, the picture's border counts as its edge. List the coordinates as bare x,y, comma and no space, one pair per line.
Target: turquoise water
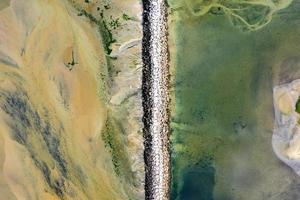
223,118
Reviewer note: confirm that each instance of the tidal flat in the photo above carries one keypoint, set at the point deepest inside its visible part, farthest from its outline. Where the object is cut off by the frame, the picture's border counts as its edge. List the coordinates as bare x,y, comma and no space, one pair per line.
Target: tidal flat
70,100
222,114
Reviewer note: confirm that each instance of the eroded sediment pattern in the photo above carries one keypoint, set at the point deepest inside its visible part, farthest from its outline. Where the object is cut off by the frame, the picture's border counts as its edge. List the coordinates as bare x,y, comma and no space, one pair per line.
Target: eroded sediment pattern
60,137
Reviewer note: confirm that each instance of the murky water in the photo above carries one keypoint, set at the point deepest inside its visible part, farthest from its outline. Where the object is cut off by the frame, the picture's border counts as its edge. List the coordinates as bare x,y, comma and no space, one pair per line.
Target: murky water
222,123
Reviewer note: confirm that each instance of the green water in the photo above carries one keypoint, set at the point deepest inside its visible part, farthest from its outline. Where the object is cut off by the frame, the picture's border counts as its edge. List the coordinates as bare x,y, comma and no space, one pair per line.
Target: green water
222,123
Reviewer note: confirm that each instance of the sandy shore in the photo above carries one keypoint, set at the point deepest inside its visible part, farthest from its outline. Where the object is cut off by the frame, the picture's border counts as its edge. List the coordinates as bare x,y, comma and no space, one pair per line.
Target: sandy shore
286,136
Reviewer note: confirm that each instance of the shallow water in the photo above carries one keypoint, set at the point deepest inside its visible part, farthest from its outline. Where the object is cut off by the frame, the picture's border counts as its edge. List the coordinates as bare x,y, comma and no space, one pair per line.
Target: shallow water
222,122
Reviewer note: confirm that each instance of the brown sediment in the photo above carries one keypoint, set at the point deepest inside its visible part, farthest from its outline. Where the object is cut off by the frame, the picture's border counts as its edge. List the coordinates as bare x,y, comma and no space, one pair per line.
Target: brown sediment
52,112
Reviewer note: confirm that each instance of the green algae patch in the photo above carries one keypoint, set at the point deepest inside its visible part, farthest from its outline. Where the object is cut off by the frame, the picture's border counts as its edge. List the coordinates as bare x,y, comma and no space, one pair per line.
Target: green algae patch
4,4
104,30
246,14
297,107
112,137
